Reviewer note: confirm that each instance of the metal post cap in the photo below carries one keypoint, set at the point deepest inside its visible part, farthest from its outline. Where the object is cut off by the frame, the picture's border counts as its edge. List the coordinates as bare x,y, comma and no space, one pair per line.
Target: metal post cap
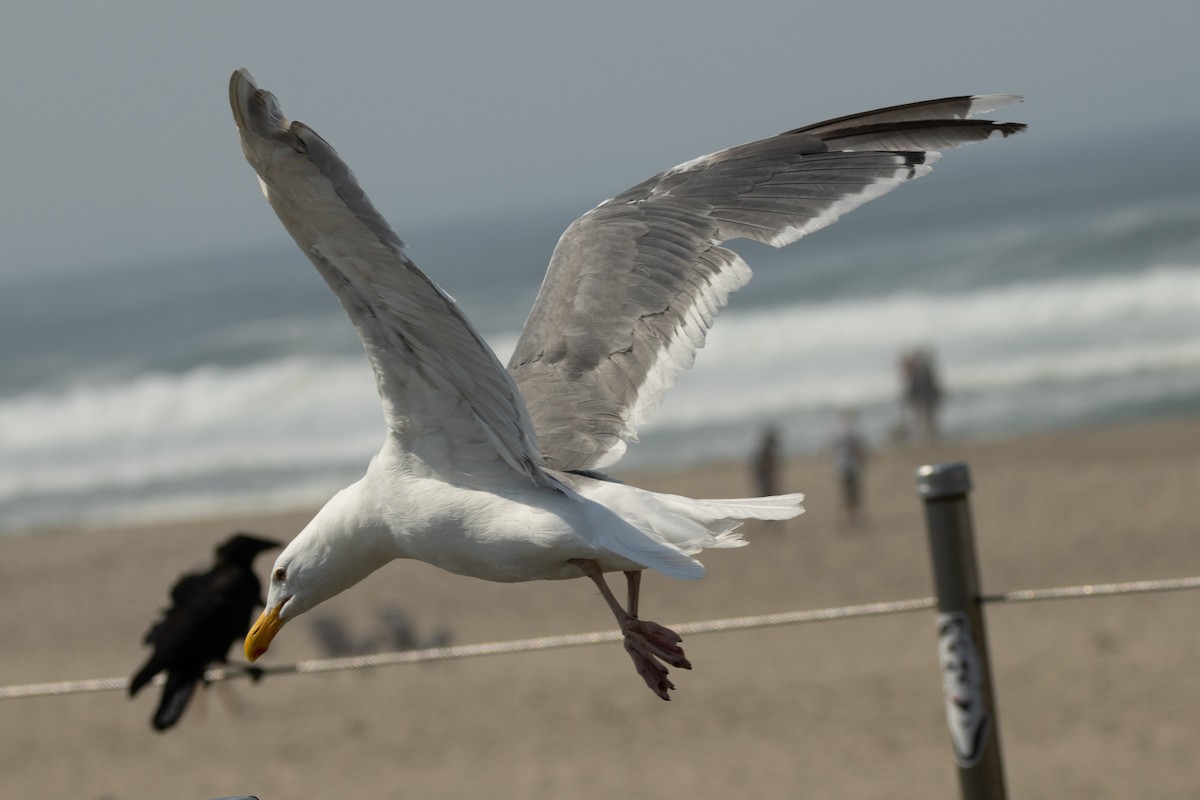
939,481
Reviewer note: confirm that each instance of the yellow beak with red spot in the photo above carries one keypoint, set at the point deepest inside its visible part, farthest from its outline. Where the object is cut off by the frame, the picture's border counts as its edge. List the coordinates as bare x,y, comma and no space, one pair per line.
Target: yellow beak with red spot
264,630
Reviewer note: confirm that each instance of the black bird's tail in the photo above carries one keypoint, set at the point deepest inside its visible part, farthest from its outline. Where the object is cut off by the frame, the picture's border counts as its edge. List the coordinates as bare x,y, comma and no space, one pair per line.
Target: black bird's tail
176,694
148,671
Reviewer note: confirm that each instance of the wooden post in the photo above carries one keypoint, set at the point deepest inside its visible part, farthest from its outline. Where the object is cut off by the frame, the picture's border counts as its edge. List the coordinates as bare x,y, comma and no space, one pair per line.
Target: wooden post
962,638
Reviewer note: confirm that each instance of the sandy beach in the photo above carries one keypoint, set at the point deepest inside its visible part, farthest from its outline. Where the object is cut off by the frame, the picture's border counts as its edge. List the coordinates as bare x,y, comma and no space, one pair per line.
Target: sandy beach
1097,697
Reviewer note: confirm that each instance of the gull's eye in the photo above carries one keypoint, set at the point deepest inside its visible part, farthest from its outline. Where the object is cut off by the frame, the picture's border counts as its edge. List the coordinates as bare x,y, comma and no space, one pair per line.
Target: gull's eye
280,574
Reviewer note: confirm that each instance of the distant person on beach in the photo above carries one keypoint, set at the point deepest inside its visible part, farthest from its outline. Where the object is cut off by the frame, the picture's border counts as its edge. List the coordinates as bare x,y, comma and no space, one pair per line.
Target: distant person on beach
765,464
849,452
922,392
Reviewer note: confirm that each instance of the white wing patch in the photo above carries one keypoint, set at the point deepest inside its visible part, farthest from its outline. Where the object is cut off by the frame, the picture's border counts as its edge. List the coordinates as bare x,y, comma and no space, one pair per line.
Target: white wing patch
680,352
849,203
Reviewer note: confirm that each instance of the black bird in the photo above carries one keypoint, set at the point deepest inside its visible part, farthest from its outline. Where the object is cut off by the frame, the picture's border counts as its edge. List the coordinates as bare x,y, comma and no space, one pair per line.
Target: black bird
209,612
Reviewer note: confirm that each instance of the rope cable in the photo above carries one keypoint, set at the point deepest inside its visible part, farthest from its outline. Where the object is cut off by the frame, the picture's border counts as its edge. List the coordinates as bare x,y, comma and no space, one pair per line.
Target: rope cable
582,639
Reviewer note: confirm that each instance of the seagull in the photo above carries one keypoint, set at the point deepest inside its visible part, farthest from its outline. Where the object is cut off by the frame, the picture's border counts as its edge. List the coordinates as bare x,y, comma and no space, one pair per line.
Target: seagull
496,473
208,613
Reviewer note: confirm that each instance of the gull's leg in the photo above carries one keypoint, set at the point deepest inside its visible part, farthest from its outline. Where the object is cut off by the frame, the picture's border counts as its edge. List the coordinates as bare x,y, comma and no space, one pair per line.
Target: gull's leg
647,643
633,580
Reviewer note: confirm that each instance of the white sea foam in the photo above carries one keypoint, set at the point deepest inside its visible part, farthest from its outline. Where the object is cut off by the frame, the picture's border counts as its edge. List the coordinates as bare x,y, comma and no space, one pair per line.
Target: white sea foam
845,352
286,416
290,431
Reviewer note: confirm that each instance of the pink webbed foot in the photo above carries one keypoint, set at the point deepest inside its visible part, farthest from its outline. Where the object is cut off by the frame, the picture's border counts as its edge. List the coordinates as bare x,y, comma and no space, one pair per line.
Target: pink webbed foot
649,644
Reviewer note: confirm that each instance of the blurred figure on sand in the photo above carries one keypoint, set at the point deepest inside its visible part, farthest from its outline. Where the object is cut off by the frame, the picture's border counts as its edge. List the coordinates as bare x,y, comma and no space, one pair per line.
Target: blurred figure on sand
849,452
922,393
765,463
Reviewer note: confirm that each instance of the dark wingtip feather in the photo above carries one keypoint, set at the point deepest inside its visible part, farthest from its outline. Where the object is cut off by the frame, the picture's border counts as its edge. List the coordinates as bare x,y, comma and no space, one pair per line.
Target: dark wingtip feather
1009,128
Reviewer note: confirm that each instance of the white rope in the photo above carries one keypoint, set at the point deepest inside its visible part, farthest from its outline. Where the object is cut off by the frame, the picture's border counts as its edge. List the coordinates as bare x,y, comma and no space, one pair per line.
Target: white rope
64,687
1093,590
485,649
582,639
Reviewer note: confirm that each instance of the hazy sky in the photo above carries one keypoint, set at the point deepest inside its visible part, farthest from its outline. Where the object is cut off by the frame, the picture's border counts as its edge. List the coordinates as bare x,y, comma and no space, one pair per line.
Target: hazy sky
119,144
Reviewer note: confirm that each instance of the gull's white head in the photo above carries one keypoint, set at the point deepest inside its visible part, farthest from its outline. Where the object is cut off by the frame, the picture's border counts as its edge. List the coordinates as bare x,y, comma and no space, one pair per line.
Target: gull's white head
336,550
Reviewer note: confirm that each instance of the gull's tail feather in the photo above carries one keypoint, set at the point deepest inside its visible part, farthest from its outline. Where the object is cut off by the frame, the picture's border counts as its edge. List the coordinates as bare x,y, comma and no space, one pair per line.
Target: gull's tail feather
774,507
721,519
663,531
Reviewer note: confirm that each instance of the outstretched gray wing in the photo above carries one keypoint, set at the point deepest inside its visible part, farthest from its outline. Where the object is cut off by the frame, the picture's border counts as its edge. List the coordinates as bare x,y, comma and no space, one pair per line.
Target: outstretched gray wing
446,397
634,284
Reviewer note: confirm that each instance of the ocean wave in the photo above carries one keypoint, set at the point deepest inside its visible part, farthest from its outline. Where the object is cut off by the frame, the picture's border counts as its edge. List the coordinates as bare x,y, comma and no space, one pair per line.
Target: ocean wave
290,430
156,429
845,352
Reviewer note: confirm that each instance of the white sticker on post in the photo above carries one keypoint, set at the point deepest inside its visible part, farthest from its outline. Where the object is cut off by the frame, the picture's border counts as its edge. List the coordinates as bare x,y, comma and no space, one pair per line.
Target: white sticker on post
962,682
